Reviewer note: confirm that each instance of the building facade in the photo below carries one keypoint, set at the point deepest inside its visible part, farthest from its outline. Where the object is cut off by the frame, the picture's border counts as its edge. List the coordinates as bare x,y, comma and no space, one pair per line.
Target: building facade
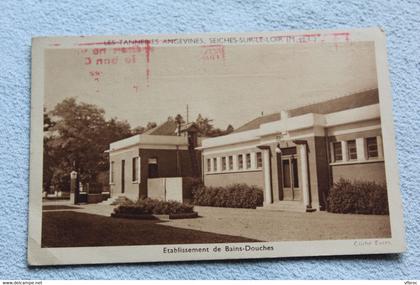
161,152
295,156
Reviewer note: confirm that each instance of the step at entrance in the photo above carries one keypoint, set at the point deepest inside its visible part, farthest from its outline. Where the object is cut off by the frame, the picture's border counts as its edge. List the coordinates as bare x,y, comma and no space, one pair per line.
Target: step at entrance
287,206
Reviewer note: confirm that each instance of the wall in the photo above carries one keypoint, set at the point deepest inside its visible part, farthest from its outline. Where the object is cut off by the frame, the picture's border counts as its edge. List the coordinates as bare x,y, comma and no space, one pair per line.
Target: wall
322,170
374,171
21,20
167,164
224,179
131,189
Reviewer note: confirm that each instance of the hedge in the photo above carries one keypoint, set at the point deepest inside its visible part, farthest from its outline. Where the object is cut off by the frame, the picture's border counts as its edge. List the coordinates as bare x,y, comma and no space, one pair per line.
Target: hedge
231,196
358,197
152,206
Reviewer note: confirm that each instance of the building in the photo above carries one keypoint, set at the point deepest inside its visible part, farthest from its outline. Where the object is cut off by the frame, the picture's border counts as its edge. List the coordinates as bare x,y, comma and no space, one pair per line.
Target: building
165,151
296,155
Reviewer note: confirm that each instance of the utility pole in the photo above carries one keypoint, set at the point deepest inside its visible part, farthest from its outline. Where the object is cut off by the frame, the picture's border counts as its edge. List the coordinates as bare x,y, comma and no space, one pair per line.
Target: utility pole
187,115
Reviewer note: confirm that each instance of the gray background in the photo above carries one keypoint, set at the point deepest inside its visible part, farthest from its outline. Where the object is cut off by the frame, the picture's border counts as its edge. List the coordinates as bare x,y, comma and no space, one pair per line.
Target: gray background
20,20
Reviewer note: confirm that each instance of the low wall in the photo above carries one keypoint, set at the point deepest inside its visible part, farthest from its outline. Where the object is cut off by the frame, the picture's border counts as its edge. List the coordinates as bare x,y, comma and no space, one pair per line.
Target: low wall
156,188
166,188
94,198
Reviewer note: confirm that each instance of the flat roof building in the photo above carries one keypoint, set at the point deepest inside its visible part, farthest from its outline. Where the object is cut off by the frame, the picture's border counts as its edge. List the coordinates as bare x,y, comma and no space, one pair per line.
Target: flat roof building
163,152
296,155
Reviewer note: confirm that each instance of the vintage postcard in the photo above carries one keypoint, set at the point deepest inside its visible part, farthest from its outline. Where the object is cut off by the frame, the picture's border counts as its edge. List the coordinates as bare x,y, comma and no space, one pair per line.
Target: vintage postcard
212,146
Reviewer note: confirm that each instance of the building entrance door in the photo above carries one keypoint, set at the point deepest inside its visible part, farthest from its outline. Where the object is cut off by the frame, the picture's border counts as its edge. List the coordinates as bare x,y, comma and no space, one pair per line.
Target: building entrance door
289,171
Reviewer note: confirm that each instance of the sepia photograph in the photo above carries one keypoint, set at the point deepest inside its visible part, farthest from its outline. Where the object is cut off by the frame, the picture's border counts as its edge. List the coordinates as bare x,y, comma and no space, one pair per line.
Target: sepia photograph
212,146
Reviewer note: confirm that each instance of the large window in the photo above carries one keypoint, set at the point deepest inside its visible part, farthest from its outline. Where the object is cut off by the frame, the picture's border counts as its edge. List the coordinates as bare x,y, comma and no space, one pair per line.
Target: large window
352,150
208,165
224,163
111,172
240,161
259,160
338,154
135,169
230,162
215,164
248,161
371,147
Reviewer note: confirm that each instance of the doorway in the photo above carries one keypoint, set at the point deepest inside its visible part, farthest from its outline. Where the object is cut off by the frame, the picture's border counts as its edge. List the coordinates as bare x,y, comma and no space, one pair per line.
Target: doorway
153,170
288,170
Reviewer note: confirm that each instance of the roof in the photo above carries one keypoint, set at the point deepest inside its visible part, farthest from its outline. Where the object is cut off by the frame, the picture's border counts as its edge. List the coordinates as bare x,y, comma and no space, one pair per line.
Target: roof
255,123
365,98
148,140
352,101
189,127
167,128
305,121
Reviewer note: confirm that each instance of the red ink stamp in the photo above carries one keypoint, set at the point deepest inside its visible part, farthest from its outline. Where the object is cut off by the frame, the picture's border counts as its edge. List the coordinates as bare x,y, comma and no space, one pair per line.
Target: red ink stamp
213,53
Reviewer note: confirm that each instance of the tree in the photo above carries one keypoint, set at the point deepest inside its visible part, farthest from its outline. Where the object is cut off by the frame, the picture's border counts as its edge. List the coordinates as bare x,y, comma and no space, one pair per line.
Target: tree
48,154
79,137
204,125
179,121
208,130
229,129
140,130
151,125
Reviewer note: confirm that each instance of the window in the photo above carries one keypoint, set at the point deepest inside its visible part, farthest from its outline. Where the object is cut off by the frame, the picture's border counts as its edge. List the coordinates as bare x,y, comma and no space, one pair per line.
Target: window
230,162
351,150
372,147
240,161
111,173
224,163
135,169
259,160
248,161
215,164
338,155
208,165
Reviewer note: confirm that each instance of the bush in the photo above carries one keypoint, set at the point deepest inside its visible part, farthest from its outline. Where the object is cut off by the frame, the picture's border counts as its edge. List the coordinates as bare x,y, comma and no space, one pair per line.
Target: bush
152,206
232,196
358,197
189,186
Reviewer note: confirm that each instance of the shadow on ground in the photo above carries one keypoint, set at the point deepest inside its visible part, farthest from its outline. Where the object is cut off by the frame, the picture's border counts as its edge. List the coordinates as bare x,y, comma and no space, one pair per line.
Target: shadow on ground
75,229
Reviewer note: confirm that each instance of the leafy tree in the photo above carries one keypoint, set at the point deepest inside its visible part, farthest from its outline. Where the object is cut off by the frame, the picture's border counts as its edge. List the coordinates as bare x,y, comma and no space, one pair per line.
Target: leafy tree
204,125
208,130
179,121
48,154
139,130
229,129
151,125
78,138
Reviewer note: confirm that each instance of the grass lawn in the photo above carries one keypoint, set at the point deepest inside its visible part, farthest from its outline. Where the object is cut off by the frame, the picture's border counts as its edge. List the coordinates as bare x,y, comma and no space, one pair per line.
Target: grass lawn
74,229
